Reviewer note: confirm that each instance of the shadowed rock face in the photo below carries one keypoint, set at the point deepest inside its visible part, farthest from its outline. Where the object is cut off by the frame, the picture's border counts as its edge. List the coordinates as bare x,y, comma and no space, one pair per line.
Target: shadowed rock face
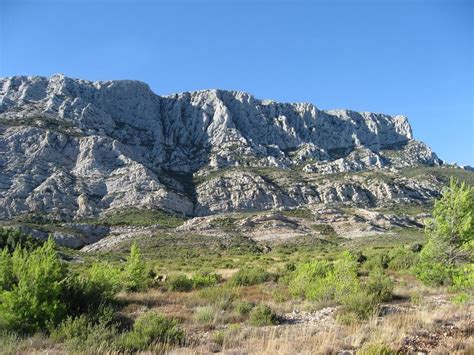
74,148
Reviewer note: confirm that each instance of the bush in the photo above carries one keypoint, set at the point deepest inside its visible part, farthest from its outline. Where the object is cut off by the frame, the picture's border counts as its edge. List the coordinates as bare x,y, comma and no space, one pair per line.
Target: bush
345,317
379,286
151,329
359,305
463,282
307,280
135,274
430,271
7,278
377,261
461,298
262,315
72,328
202,280
11,238
463,278
30,298
363,301
323,281
87,293
249,276
344,279
104,279
83,334
180,283
205,315
401,258
221,297
243,308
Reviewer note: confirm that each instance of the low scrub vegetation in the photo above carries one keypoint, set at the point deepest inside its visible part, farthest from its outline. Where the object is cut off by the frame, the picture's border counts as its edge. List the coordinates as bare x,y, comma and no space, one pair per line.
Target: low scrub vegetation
39,293
153,331
262,315
250,276
183,283
338,282
11,238
142,218
133,301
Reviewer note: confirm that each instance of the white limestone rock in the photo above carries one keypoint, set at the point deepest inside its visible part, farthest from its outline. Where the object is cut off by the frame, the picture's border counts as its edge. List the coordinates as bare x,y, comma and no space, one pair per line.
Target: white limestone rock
74,149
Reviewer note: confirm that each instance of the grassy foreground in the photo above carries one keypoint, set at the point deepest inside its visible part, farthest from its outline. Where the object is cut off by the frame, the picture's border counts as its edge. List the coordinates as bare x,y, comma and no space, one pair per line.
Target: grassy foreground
318,298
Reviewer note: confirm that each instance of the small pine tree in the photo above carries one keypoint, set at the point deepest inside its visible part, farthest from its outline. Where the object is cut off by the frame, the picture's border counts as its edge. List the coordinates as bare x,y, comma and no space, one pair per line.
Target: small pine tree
135,273
30,300
6,270
450,235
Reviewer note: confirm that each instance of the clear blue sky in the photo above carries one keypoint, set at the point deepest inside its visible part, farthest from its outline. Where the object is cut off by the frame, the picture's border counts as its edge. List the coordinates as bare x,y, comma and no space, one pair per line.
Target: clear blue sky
397,57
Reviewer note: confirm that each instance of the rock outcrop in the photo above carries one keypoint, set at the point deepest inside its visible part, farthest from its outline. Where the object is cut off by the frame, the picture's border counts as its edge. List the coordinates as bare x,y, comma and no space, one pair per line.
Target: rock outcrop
73,149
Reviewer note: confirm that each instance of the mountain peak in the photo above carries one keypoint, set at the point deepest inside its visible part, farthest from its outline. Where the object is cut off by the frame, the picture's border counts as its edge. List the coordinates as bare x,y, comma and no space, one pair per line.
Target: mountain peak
94,141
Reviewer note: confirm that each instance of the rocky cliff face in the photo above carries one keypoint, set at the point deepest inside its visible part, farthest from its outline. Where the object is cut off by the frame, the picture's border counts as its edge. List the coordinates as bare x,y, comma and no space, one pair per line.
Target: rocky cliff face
75,149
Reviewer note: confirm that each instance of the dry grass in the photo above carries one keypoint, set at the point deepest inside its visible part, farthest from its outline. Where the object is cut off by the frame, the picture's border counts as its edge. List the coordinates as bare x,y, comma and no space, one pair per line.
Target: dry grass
418,319
448,329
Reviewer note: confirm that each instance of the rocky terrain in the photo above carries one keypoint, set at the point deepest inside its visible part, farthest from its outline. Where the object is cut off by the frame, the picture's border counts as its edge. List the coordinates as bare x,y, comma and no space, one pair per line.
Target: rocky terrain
221,222
73,150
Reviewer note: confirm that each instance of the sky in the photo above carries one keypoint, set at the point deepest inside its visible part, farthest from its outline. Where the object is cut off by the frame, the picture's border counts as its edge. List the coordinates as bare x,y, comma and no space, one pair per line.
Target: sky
410,57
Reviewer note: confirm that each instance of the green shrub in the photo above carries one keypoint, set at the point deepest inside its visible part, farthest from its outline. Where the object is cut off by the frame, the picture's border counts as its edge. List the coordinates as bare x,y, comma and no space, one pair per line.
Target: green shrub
377,261
362,302
416,299
401,258
338,281
136,217
379,286
219,338
463,278
105,279
202,280
344,277
462,298
375,349
180,283
220,297
7,278
262,315
205,315
432,272
243,308
359,305
249,276
324,281
11,238
308,276
85,335
308,280
33,301
135,273
151,329
87,292
299,213
346,318
71,328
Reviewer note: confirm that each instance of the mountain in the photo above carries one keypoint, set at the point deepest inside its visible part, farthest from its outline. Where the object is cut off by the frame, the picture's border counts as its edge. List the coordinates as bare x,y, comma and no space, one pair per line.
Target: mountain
73,149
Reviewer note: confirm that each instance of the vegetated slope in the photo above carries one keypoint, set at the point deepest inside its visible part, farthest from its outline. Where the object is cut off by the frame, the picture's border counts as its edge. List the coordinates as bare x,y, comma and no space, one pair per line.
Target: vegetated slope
75,149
